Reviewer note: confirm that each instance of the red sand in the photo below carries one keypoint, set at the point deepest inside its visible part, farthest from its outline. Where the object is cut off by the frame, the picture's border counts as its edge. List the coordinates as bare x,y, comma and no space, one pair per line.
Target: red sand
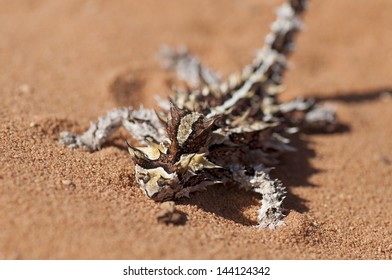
64,63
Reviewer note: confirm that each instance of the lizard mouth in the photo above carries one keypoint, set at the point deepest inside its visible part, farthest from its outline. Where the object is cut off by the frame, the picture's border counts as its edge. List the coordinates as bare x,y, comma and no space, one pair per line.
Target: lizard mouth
166,194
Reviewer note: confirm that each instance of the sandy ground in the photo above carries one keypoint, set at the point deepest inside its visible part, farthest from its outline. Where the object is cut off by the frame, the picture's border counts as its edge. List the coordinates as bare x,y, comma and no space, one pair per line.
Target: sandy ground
64,63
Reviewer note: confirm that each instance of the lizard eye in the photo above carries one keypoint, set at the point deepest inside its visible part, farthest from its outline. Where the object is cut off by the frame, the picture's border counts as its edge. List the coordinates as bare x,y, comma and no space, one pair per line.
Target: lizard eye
143,177
157,183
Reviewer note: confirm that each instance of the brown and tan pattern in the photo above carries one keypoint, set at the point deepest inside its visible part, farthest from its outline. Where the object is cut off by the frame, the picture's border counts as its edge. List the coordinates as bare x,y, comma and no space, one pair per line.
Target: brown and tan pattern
204,131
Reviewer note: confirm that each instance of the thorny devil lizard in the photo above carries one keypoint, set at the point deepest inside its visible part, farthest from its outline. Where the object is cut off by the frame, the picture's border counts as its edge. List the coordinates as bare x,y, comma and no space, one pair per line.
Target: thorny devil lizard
218,132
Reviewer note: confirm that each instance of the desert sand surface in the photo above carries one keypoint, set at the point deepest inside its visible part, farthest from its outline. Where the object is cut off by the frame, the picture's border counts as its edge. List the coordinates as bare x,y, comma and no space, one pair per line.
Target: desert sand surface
64,63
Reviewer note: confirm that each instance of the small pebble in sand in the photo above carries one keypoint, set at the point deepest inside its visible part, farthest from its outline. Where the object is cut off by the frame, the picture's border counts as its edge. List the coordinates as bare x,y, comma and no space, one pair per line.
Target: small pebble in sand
25,89
385,160
67,182
169,214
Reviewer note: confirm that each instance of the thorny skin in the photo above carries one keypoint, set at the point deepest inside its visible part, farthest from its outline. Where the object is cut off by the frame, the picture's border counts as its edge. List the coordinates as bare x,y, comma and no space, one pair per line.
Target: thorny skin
218,132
